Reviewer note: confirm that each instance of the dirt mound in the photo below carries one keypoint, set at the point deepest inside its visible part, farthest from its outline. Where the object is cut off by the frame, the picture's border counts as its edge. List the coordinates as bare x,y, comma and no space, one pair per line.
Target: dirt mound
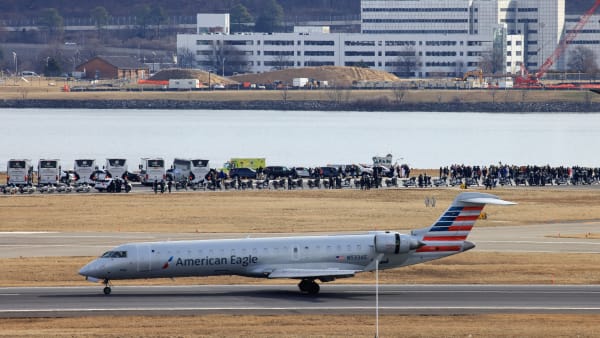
177,73
336,76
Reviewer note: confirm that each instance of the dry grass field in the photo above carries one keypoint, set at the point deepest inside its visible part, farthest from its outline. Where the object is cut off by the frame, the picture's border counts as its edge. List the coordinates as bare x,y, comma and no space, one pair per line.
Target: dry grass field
250,212
298,212
496,325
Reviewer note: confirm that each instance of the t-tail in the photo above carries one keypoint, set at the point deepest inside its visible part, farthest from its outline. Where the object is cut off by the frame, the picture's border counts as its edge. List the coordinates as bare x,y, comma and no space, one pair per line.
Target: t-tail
448,235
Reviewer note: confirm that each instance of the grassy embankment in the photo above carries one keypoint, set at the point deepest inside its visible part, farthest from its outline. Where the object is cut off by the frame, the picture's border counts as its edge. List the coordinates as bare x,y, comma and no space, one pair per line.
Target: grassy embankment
40,89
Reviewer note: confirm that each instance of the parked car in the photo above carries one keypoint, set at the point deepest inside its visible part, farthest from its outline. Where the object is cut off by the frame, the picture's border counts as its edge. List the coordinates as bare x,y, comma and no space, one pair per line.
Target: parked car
242,173
329,171
67,176
300,172
274,171
132,177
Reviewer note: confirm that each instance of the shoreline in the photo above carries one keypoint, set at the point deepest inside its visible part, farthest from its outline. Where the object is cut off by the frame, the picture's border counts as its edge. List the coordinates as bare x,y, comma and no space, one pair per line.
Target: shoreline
300,105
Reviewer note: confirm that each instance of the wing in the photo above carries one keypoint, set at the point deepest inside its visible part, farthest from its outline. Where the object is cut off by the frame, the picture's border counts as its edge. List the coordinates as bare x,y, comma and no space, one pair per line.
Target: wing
311,273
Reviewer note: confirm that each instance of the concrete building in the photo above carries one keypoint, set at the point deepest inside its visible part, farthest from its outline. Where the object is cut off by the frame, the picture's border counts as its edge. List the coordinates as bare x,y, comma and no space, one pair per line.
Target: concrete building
412,38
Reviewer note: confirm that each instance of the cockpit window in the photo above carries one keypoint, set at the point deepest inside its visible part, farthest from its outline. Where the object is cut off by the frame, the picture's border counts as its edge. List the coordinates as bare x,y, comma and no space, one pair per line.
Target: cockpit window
114,254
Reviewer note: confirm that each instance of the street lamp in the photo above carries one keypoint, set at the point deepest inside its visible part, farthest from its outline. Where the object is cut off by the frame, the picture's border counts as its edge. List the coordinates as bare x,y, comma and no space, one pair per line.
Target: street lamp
15,59
210,71
154,62
223,70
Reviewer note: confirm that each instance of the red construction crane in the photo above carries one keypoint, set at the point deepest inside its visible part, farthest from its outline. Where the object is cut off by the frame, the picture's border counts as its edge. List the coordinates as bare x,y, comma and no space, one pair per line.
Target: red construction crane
527,80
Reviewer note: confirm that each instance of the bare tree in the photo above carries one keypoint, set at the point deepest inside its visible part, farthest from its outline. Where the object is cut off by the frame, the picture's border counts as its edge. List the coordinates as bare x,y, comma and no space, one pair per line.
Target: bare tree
282,61
400,93
583,60
408,62
492,62
338,95
185,58
228,59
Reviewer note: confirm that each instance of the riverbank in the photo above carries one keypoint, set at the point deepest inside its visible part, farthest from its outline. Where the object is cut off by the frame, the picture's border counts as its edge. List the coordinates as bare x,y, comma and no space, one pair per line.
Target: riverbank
42,95
362,105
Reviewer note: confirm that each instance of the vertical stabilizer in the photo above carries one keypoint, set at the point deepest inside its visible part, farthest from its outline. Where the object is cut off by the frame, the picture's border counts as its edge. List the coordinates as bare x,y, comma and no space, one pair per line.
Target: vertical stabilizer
449,233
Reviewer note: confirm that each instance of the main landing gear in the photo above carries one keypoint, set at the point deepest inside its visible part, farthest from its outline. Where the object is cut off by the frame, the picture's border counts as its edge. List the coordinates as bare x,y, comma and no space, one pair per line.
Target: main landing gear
106,287
309,286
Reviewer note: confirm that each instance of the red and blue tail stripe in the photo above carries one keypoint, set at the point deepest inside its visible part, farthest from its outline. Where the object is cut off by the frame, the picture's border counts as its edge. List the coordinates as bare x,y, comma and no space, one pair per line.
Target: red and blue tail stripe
453,227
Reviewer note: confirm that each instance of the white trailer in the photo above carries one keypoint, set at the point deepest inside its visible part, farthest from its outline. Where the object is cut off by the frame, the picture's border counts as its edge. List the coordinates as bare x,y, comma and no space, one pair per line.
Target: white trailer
184,84
84,169
116,167
152,170
19,172
299,82
49,172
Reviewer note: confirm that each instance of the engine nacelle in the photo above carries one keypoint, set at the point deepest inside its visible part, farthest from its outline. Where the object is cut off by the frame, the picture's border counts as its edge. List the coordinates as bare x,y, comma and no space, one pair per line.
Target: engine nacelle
394,243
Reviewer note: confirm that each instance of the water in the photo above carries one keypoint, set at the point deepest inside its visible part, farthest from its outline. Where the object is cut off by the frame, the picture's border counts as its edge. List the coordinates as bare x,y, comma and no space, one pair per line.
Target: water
294,138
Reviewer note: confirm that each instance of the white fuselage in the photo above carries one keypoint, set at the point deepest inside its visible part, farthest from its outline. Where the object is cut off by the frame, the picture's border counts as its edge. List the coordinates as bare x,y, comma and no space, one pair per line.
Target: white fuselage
254,257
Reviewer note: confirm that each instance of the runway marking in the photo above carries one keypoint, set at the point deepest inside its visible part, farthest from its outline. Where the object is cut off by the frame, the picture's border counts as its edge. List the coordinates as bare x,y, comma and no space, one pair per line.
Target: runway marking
2,233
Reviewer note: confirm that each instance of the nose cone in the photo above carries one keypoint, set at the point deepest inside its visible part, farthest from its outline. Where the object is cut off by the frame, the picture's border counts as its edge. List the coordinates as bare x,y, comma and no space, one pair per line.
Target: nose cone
90,270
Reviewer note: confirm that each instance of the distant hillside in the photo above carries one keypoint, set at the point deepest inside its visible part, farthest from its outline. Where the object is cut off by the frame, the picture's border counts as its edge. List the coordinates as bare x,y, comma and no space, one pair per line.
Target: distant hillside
292,8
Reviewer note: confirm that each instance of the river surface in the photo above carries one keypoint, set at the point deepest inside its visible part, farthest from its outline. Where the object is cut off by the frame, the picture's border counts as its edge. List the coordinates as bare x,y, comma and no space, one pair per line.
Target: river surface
300,138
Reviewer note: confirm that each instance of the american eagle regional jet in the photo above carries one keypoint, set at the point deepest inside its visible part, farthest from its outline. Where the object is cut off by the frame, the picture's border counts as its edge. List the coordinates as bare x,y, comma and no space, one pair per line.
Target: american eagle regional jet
307,258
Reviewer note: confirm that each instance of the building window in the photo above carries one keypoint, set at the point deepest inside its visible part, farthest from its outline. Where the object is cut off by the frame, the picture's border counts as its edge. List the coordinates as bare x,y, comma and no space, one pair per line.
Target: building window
359,43
318,43
359,53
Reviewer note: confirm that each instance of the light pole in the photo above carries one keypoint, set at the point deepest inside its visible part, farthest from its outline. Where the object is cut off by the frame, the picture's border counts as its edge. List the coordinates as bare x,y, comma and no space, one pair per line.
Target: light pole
154,62
223,68
15,59
209,79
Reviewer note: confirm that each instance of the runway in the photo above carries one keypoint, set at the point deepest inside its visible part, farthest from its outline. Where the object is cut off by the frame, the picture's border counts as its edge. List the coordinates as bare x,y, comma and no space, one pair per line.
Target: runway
286,299
524,238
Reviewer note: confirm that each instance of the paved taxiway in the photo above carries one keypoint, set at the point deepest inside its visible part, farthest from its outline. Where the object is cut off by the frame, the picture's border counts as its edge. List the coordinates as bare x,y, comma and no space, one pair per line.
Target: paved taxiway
286,299
525,238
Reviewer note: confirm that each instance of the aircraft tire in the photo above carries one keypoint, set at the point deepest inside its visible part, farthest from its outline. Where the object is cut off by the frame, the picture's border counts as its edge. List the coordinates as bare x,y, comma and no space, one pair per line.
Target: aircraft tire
107,290
309,286
314,288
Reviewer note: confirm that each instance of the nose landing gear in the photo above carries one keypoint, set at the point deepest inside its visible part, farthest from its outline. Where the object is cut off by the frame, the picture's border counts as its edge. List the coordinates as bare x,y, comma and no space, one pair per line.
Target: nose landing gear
107,288
309,286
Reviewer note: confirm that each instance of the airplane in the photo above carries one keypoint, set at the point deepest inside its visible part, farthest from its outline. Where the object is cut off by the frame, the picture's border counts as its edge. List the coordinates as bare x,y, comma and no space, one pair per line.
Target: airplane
307,258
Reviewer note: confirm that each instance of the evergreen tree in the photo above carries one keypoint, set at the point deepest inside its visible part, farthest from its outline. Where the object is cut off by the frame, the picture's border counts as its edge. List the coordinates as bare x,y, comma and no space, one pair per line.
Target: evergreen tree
270,18
240,15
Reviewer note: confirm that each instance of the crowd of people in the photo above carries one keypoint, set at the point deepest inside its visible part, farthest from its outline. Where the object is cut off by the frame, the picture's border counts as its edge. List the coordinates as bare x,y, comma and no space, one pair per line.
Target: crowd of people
531,175
365,178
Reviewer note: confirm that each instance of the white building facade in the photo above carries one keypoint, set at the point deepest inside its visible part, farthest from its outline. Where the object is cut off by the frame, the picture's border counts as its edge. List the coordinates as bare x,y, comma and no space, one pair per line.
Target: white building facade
412,38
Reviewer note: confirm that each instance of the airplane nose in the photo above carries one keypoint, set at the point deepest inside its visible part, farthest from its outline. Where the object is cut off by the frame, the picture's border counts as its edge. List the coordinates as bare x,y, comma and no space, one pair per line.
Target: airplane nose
85,271
89,269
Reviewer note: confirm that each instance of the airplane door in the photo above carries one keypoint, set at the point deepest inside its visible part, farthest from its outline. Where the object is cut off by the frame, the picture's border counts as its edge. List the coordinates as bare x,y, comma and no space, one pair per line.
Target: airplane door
296,252
144,258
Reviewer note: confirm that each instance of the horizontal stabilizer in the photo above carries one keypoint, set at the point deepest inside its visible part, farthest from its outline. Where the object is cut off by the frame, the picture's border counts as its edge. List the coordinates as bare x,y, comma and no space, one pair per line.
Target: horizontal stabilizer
309,273
487,200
